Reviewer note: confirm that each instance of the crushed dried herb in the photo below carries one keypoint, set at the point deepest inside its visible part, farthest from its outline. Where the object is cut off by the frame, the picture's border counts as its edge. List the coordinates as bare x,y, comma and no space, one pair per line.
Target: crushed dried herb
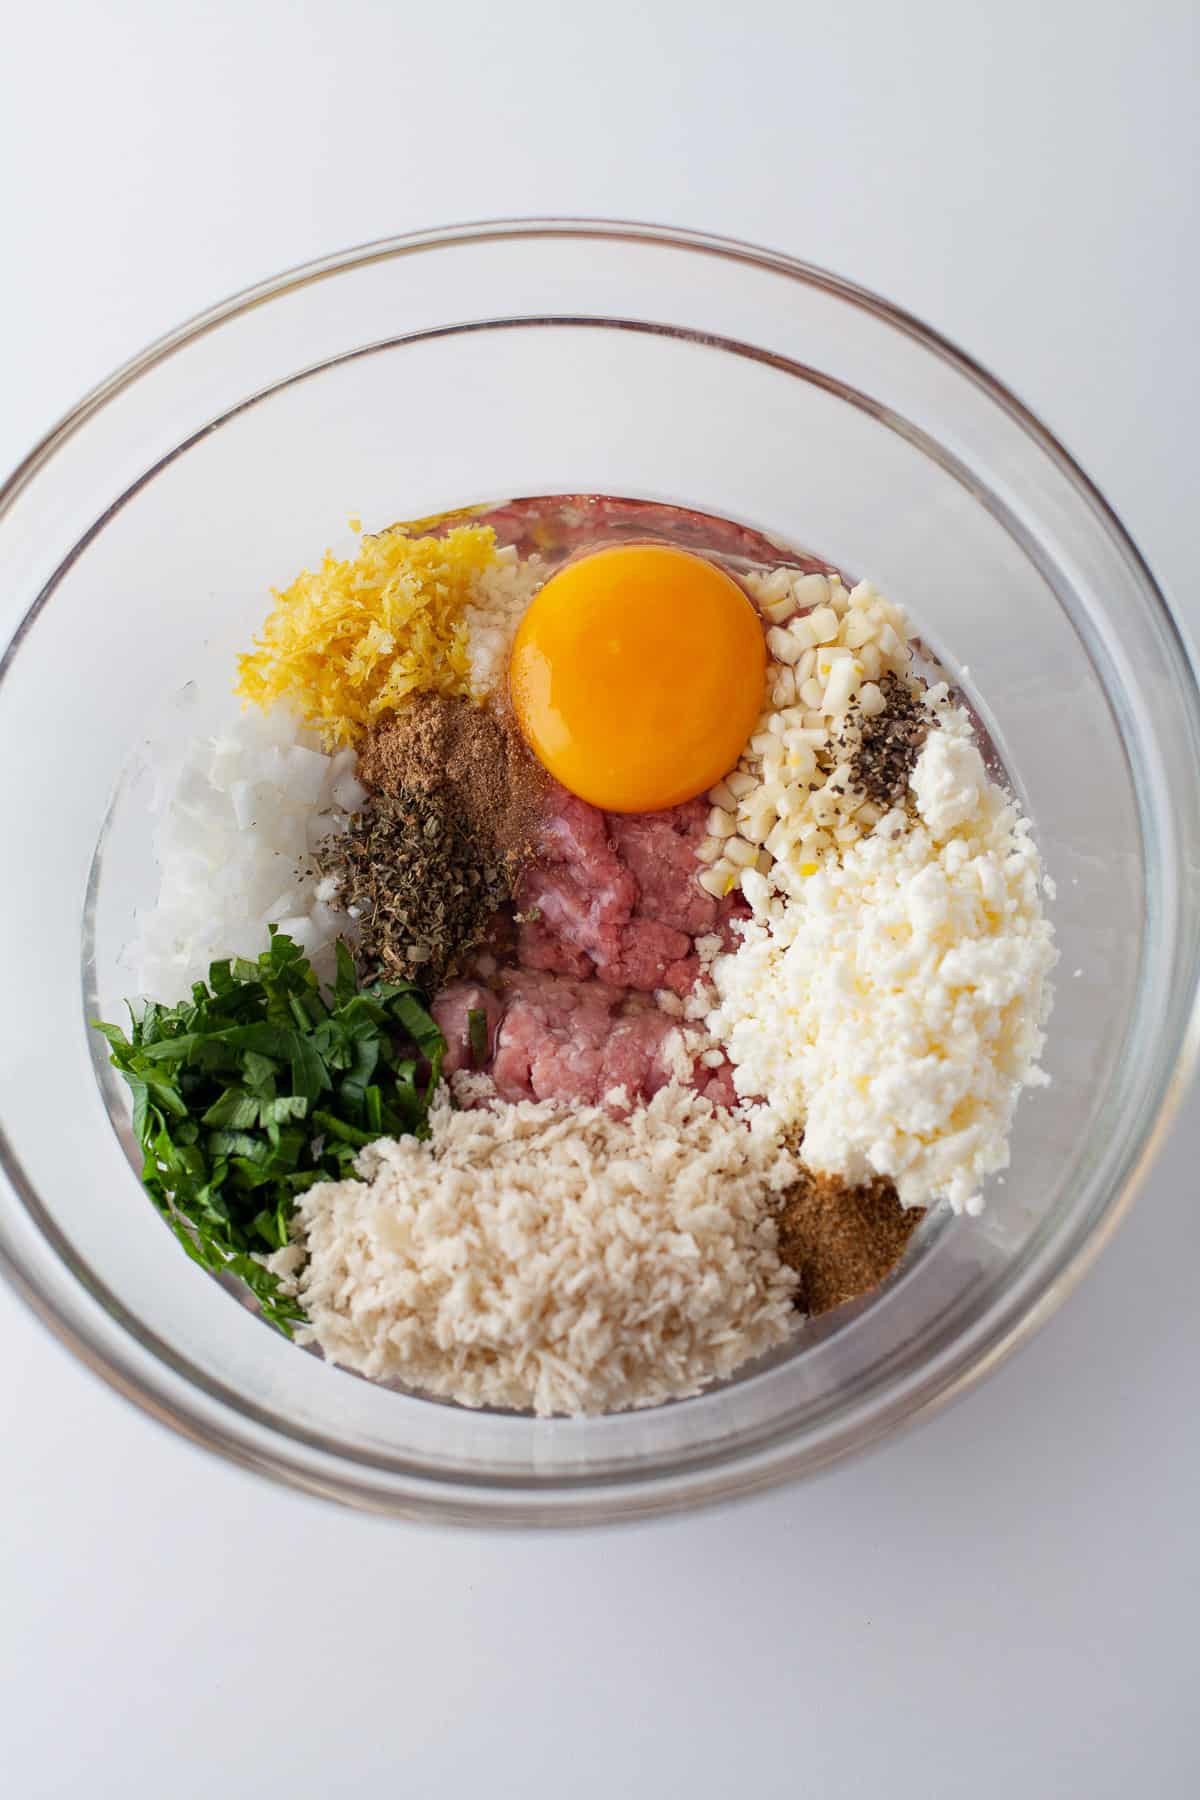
841,1240
889,744
420,884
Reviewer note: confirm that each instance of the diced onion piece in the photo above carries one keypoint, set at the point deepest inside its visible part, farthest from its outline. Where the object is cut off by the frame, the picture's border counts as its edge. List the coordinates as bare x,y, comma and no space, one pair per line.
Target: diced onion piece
779,839
349,793
801,758
802,632
828,656
758,822
857,629
890,645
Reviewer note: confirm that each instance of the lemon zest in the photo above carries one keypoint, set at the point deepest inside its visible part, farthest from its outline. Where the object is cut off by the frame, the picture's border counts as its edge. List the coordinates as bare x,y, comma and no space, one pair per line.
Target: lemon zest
354,639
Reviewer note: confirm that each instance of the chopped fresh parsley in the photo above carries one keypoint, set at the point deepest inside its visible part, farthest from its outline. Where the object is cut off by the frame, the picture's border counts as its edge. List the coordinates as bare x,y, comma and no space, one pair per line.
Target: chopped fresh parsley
477,1033
258,1087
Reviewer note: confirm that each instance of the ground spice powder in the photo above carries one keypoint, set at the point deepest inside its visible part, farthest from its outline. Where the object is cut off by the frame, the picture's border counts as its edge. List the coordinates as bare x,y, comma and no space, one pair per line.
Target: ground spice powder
454,801
475,755
842,1240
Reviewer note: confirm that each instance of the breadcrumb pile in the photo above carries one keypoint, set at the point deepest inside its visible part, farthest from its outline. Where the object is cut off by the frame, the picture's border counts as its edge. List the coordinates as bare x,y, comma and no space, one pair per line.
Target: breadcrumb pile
553,1258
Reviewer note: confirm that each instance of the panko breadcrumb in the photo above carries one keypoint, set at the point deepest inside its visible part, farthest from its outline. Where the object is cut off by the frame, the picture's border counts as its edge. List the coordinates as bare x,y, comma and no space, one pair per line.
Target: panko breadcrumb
556,1259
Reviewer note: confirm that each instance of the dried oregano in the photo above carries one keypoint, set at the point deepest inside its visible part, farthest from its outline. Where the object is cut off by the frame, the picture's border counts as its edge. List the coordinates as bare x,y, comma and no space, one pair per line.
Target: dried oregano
420,885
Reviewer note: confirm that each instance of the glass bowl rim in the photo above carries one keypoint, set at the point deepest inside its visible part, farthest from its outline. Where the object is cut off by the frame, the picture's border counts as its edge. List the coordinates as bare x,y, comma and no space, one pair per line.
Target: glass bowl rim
575,1502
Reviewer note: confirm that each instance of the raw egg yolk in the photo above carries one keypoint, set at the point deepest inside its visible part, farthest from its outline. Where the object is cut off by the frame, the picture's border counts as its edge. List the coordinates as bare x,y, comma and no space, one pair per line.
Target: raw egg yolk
637,676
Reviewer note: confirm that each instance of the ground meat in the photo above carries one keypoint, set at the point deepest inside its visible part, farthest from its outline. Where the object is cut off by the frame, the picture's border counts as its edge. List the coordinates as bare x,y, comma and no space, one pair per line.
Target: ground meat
550,1037
608,914
577,888
660,850
553,1038
451,1008
615,895
540,948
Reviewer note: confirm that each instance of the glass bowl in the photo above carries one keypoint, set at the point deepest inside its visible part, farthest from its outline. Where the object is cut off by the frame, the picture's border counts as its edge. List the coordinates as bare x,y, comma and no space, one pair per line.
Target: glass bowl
456,366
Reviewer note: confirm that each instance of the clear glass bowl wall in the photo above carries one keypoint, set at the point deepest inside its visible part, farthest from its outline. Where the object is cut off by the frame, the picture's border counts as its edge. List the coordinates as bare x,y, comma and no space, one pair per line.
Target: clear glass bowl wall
469,366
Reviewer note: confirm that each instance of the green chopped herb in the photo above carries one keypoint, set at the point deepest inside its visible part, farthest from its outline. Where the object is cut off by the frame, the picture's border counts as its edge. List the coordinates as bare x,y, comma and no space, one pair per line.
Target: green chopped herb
258,1087
477,1033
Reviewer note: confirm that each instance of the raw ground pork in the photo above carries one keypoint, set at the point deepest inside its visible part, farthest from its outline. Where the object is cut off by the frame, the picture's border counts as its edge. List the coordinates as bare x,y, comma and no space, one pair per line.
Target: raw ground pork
609,912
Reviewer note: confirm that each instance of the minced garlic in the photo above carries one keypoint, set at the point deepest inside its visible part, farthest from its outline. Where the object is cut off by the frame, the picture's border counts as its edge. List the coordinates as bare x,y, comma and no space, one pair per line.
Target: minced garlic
835,657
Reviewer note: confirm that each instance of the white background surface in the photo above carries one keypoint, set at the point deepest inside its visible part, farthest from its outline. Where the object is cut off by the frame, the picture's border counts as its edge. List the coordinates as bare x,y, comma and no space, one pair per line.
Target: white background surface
1002,1603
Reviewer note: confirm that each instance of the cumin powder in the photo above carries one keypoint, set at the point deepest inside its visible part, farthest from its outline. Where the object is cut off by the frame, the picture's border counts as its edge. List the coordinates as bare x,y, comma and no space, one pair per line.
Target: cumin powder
842,1240
474,755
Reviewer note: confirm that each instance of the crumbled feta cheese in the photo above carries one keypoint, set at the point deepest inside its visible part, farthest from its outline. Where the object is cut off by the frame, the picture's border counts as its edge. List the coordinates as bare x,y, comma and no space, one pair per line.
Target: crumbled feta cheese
948,782
895,1006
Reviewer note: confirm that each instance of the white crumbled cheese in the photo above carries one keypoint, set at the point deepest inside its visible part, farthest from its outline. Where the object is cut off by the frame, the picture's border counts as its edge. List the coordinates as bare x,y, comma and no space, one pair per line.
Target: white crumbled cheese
699,1003
948,782
894,1007
676,1058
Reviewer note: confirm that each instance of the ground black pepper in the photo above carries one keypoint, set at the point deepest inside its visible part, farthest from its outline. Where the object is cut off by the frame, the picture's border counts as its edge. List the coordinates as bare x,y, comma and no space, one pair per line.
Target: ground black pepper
889,744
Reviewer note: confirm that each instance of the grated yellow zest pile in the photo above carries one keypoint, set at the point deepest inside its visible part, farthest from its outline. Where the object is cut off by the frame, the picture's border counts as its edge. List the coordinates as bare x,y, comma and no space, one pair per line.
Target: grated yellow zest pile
355,639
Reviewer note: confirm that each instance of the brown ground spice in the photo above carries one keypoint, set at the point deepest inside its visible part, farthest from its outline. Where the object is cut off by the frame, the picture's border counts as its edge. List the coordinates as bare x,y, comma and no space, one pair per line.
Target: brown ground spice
842,1240
477,756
